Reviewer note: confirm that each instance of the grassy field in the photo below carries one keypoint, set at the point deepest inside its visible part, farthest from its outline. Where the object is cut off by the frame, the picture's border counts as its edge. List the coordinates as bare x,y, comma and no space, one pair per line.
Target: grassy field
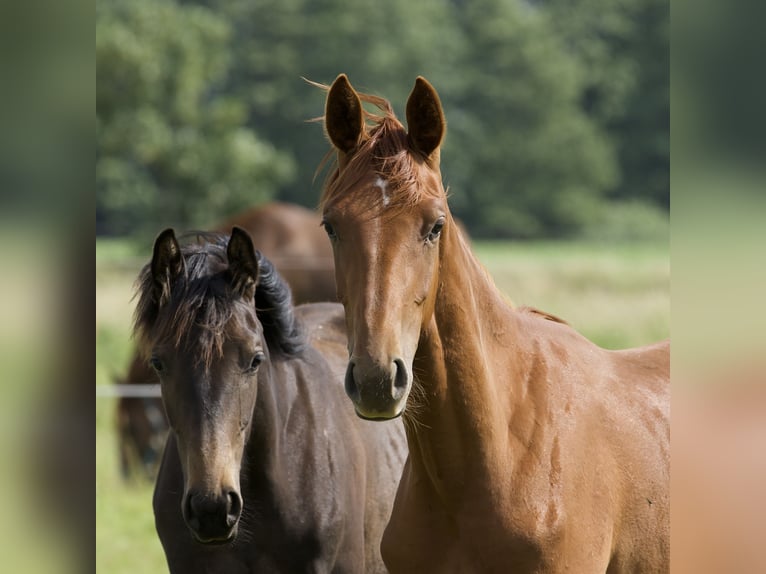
125,536
617,295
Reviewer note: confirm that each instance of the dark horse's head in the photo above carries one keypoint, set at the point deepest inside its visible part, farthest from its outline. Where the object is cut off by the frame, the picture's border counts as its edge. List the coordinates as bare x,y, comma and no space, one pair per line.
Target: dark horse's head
209,317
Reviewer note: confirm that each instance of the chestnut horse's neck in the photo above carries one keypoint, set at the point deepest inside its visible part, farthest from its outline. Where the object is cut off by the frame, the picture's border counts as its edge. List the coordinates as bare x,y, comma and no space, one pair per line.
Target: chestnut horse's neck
461,411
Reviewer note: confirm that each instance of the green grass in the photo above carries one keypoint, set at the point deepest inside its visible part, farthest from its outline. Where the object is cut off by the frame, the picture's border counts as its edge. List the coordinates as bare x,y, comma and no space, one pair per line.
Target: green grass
125,537
113,250
126,541
616,294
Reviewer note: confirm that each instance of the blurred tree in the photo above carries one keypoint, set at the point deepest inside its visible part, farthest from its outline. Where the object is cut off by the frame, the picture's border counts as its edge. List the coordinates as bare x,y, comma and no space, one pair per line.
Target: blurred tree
510,95
172,148
621,49
527,159
553,106
382,46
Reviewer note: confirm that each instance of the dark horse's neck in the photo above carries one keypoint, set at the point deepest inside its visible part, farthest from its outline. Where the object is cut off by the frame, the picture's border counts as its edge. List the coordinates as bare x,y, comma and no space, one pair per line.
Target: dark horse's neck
274,402
286,341
460,409
262,464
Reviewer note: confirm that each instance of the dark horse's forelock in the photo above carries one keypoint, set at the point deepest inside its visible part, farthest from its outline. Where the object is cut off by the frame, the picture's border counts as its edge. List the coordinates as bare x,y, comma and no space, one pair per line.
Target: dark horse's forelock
202,303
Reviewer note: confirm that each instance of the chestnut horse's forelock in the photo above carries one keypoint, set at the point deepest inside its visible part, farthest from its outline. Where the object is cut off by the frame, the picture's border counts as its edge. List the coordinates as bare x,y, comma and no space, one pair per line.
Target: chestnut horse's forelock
386,151
203,308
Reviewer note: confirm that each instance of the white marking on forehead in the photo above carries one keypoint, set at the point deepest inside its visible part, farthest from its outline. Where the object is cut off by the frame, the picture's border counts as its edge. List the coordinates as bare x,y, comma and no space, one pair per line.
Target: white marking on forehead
382,185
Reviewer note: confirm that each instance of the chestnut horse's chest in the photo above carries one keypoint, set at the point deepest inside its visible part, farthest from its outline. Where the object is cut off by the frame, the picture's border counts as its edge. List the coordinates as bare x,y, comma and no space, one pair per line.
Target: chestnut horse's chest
474,535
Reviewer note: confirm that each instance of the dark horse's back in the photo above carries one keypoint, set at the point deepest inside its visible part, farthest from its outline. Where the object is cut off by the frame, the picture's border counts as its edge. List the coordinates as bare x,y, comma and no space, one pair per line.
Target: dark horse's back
324,504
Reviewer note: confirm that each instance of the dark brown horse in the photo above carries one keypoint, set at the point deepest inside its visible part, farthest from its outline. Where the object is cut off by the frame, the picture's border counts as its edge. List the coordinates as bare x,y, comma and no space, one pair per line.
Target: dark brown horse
531,448
266,467
291,237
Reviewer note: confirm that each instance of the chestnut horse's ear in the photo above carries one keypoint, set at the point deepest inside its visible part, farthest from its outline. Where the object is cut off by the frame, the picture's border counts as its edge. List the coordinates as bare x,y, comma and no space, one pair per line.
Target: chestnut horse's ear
243,263
425,118
343,115
167,265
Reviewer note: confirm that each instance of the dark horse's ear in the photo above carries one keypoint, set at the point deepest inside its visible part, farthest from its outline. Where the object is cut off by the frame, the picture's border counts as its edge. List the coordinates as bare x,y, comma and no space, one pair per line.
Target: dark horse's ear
167,265
243,263
343,115
425,118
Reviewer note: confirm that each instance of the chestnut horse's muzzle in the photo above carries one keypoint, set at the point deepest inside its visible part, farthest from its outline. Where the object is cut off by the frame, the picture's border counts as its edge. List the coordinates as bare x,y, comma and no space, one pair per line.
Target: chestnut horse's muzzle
378,392
213,519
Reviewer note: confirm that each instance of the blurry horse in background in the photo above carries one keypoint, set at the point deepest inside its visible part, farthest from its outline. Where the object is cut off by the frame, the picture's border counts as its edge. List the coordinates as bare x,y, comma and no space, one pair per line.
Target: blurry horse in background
291,237
141,423
531,448
266,468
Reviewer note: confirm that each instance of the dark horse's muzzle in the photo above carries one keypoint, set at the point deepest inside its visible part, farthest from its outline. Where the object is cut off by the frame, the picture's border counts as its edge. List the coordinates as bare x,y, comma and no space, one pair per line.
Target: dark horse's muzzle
213,518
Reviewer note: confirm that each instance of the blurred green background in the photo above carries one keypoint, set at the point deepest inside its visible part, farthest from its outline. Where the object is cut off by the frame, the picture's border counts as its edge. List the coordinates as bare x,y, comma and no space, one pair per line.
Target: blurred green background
557,110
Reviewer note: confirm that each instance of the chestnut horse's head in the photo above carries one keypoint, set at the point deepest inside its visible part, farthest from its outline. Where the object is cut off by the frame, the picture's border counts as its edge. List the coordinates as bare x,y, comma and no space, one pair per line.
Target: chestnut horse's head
384,209
196,320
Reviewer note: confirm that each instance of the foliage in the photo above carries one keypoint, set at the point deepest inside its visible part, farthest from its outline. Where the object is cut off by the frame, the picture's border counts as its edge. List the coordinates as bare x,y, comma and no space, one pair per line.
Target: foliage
555,108
621,48
539,166
171,147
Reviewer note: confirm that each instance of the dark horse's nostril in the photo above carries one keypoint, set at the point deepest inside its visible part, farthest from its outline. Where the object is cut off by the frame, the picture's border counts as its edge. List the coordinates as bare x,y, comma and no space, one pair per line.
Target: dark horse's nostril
190,512
234,508
212,517
400,377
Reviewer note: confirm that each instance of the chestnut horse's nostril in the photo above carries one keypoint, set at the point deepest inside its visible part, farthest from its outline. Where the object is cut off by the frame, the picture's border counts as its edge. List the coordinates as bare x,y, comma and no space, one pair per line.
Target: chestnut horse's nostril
377,388
352,390
400,377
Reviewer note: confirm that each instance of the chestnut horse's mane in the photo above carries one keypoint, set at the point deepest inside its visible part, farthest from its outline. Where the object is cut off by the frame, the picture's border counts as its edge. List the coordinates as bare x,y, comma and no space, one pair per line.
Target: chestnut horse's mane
543,314
202,300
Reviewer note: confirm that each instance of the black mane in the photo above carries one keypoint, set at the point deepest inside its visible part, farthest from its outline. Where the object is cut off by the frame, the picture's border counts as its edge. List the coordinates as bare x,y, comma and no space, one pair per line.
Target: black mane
274,308
203,298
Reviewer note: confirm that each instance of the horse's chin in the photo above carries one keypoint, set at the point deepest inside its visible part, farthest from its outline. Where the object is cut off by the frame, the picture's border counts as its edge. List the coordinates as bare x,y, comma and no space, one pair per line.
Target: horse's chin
217,541
376,418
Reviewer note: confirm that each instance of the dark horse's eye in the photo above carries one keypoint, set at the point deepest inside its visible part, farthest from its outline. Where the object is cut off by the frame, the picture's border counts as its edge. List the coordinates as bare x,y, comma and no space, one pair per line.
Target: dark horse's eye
330,230
157,364
256,361
436,230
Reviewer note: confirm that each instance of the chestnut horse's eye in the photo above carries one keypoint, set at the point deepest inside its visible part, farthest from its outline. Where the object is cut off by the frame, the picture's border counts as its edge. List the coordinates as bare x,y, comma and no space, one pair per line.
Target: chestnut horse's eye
330,230
436,230
157,364
256,361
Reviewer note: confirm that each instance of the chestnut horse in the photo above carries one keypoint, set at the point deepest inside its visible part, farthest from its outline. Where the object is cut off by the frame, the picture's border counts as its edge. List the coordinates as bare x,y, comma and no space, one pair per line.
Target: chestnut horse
291,237
266,467
531,449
